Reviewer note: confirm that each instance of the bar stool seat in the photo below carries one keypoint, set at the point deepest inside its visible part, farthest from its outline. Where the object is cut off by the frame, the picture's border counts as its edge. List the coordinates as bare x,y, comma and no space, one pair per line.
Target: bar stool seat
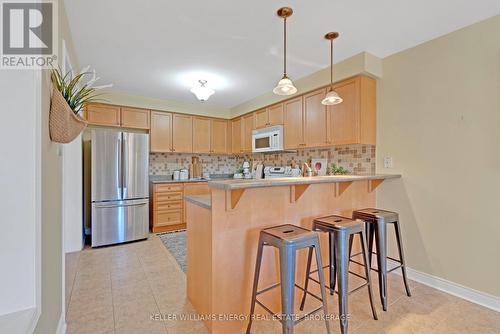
288,239
376,226
340,230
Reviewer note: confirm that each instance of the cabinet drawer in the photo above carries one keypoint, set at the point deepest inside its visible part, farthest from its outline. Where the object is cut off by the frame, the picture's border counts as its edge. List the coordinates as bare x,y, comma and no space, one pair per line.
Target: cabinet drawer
173,196
168,217
168,187
167,205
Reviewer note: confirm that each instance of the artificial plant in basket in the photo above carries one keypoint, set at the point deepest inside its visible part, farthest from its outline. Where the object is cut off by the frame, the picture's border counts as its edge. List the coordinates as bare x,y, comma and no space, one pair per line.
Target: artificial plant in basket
70,94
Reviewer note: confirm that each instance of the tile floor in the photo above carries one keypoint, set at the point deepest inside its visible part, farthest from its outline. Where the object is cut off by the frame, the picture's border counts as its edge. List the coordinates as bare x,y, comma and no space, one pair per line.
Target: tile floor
115,289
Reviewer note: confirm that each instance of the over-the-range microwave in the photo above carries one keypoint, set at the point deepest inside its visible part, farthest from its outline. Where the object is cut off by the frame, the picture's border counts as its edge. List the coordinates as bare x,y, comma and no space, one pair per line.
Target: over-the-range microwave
268,139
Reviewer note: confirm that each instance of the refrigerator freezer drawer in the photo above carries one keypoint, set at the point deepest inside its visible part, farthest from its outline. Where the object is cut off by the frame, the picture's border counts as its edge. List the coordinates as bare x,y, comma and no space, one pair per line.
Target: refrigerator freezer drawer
119,221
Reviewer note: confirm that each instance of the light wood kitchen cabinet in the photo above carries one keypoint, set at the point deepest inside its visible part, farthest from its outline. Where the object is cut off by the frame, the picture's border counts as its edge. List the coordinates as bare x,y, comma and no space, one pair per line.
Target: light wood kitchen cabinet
182,133
167,211
293,124
103,114
247,128
219,136
161,132
236,134
269,116
261,118
315,119
202,133
134,118
275,115
354,120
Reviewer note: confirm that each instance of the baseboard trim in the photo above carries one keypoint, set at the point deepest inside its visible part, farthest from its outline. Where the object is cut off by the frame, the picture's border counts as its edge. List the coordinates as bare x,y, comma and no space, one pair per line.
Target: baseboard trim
455,289
61,326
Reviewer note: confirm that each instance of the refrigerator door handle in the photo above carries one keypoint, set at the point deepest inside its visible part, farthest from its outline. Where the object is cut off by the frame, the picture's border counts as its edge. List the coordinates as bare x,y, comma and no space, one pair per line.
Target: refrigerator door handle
125,163
104,206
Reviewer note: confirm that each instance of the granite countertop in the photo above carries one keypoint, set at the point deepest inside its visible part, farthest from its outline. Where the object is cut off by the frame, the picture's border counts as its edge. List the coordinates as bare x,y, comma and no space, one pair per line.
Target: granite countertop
204,201
169,178
291,181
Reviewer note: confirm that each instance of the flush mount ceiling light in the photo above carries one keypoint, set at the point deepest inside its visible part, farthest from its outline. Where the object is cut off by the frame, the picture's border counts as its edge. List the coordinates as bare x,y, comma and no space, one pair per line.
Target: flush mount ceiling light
332,97
202,92
285,85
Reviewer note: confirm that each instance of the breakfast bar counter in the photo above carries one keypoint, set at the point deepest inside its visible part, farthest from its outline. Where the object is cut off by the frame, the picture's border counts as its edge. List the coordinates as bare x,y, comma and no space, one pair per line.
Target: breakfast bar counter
222,237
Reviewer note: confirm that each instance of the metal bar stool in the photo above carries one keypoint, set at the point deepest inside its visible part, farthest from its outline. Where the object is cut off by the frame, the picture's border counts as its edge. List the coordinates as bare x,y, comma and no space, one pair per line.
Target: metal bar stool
288,239
376,224
340,230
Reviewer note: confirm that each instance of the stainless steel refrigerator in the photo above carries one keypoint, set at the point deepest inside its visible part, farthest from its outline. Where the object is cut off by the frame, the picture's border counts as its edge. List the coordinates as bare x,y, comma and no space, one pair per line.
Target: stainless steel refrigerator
119,186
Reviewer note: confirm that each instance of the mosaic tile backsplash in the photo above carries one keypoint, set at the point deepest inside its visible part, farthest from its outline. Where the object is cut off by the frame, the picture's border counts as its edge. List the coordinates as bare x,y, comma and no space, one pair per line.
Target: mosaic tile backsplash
357,159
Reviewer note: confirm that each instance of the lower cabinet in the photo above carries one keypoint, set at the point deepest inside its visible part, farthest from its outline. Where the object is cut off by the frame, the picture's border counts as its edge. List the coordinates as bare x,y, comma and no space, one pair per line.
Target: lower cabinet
167,209
168,212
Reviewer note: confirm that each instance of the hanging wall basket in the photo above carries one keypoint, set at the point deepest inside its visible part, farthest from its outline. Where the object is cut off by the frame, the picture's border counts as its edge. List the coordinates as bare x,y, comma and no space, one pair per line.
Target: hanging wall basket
64,124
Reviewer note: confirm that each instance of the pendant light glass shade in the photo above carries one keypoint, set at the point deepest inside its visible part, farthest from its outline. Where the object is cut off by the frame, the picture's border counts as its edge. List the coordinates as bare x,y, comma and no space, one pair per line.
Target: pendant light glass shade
332,98
202,92
285,87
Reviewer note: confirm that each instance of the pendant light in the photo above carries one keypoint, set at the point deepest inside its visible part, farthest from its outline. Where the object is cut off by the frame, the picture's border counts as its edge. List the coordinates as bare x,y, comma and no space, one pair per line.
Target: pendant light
331,97
202,92
285,85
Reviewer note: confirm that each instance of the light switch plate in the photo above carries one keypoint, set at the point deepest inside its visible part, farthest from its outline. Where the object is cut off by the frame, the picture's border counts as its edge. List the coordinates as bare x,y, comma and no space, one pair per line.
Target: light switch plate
388,162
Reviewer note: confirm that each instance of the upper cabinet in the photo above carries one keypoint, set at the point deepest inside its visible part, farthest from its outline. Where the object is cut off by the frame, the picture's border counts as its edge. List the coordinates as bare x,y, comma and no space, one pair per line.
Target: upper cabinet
134,118
182,133
247,127
315,119
275,115
354,120
103,114
219,137
110,115
201,135
161,131
236,134
210,135
269,116
294,124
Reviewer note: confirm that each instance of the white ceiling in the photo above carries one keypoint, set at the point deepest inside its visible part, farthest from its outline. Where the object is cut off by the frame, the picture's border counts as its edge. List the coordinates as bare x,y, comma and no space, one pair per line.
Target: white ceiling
156,48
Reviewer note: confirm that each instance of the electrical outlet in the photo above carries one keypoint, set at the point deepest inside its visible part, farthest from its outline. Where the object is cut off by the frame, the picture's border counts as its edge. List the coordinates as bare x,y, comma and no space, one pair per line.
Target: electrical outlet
388,162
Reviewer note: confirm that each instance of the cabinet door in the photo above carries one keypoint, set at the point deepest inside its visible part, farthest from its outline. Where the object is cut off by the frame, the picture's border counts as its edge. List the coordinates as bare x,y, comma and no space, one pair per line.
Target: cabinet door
344,117
275,115
294,124
182,129
261,118
103,114
248,126
315,119
161,131
134,118
201,135
236,136
219,136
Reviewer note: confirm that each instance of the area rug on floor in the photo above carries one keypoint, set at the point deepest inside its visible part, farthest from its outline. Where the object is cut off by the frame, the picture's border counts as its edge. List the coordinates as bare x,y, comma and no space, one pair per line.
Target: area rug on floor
176,244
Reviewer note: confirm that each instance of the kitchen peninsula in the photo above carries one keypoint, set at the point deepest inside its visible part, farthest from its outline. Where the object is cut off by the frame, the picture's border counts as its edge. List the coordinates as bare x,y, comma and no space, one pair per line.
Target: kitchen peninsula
223,230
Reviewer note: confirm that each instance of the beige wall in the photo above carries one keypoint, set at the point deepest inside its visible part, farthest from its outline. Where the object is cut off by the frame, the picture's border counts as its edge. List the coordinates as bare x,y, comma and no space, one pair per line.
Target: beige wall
51,238
439,118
